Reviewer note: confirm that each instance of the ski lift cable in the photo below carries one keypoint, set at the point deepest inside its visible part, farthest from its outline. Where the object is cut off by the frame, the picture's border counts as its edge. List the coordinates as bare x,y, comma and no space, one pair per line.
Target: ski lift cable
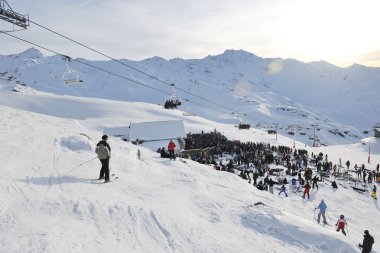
127,65
107,71
85,63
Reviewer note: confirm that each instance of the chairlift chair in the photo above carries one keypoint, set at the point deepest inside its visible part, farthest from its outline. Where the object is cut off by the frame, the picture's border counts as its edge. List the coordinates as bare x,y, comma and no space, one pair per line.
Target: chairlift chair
243,125
10,16
70,76
173,101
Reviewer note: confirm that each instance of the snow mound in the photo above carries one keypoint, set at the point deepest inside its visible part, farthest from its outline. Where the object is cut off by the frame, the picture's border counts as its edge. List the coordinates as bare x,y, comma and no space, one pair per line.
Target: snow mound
75,143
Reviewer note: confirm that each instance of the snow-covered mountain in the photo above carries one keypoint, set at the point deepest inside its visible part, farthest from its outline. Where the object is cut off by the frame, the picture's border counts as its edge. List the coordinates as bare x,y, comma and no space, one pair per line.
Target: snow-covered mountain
342,101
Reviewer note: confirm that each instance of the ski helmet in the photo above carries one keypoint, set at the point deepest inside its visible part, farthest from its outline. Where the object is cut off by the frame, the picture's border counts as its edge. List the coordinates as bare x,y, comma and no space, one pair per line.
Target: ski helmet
342,216
366,232
104,137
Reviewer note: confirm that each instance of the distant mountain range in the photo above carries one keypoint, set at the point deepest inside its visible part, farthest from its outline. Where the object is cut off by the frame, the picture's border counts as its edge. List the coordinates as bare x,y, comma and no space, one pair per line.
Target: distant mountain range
340,103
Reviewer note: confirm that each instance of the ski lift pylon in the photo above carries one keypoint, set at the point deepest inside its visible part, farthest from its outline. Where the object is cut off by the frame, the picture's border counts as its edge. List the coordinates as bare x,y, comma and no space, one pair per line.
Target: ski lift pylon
188,111
70,76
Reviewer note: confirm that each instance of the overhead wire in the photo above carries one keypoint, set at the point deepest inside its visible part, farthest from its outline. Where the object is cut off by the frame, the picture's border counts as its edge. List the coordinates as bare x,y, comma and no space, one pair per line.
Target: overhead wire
107,71
129,66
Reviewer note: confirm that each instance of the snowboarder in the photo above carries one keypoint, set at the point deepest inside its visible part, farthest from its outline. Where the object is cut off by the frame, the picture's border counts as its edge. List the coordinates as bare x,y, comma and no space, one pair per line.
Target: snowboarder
334,185
367,242
103,150
171,147
283,189
341,224
322,210
307,190
374,192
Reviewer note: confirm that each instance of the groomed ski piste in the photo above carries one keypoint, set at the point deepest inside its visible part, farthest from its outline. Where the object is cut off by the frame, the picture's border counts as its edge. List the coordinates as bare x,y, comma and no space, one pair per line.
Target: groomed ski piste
52,202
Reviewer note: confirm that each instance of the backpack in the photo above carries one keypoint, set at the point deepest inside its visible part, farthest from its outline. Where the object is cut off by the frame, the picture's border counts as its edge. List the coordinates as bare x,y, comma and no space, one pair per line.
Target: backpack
102,151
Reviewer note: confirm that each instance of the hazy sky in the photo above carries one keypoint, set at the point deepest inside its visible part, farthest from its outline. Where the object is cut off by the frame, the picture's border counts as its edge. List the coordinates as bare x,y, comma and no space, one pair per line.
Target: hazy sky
341,32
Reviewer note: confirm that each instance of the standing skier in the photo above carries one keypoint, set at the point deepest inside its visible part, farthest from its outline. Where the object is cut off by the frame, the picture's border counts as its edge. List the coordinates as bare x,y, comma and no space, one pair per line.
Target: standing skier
367,242
103,150
322,210
307,190
171,147
374,192
283,189
341,224
315,182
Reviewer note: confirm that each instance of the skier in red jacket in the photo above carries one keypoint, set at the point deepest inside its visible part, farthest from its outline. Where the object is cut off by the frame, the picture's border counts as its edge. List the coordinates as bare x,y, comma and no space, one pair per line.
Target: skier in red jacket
171,147
341,224
307,190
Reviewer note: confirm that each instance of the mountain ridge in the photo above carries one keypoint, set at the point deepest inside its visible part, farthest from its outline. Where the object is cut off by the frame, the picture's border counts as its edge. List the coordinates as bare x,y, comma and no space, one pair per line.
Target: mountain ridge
239,80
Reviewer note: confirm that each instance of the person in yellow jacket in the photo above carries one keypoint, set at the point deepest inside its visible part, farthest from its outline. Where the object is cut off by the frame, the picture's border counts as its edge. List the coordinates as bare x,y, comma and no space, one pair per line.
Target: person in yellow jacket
374,192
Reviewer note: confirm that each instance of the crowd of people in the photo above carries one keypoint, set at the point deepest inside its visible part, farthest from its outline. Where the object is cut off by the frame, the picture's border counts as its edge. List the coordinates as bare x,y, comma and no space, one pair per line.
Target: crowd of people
253,161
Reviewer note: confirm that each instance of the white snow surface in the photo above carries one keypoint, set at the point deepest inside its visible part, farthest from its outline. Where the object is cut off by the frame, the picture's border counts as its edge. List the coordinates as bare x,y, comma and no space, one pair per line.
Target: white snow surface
51,202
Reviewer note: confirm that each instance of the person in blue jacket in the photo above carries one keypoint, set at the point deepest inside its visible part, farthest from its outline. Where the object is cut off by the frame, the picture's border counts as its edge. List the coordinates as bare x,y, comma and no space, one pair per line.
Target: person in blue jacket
283,189
322,211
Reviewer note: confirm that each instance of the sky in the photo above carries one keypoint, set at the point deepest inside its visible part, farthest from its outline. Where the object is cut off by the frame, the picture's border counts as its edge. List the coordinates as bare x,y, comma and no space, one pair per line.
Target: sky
339,32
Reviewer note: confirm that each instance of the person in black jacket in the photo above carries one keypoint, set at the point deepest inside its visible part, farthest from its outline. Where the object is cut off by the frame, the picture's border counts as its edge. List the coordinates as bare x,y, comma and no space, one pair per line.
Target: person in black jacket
367,242
103,150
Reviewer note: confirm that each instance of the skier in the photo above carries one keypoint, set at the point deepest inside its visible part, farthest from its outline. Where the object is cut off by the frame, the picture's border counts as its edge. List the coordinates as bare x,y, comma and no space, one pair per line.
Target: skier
271,183
103,150
315,182
374,192
294,184
283,189
171,147
348,164
334,185
322,210
341,223
307,190
367,242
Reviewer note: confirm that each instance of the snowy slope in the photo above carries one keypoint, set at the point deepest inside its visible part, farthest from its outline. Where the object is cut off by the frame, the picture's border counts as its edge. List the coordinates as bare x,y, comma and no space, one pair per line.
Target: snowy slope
343,101
50,201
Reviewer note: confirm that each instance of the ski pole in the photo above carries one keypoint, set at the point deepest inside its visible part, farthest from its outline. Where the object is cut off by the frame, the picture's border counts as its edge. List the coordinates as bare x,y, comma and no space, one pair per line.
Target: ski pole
84,163
329,218
347,232
88,137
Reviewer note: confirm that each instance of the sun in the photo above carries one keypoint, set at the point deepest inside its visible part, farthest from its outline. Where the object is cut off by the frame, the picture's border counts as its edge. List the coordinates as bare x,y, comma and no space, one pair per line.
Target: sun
331,30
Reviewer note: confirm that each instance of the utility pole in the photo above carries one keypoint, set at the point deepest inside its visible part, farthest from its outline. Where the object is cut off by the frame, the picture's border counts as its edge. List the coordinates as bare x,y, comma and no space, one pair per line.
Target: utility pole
314,125
293,126
369,152
276,125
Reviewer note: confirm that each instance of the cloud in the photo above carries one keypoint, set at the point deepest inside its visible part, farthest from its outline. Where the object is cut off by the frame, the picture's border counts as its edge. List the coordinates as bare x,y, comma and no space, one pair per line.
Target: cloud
194,29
